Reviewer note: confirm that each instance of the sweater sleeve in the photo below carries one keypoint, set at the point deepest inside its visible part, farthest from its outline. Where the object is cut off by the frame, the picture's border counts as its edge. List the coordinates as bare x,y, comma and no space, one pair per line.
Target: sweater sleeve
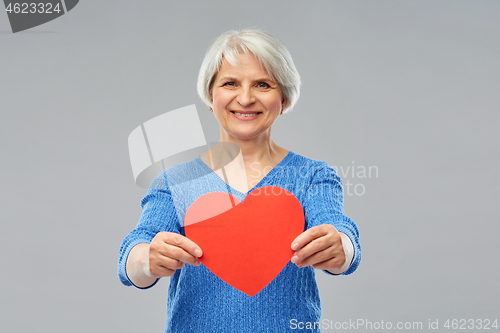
324,203
158,214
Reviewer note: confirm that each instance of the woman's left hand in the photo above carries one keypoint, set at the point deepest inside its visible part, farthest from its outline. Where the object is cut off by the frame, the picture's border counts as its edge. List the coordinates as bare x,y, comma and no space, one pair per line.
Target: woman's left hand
319,247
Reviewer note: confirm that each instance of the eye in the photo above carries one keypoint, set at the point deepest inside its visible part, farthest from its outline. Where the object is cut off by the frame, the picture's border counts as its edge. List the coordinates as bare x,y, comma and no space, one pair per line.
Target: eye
230,84
263,85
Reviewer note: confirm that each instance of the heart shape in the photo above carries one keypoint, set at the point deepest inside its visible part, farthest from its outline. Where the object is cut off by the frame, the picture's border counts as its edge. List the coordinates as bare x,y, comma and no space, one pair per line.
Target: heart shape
246,244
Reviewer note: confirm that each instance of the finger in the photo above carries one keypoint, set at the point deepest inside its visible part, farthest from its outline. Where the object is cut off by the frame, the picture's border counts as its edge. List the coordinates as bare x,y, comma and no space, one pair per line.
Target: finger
334,263
301,257
170,263
179,254
184,243
160,271
317,258
307,236
167,244
329,258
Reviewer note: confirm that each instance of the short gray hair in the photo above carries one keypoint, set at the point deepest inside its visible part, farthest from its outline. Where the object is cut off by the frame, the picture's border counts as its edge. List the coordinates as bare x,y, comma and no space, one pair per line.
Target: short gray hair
268,50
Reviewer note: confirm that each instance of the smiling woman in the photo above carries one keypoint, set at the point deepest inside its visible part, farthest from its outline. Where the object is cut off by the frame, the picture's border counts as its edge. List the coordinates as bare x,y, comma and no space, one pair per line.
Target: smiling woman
245,100
248,80
273,57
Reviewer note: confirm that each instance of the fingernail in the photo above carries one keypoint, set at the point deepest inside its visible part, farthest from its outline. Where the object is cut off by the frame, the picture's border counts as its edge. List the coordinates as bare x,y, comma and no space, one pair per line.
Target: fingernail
197,253
295,259
295,246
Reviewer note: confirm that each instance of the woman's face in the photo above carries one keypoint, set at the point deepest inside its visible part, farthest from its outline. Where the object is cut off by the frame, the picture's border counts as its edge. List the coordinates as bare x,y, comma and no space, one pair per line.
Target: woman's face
245,100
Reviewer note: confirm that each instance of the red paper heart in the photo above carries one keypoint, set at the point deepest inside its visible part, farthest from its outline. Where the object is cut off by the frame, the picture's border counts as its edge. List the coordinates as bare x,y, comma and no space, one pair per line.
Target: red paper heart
246,244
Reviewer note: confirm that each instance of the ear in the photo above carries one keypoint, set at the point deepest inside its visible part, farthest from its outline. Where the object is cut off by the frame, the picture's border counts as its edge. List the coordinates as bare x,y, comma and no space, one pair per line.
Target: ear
284,104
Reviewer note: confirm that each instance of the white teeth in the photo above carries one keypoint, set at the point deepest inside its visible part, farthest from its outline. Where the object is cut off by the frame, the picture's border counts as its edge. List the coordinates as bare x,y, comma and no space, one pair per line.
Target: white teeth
246,114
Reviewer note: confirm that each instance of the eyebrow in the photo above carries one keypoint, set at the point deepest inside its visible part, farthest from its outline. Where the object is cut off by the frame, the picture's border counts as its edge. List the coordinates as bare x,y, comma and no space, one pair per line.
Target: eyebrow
229,78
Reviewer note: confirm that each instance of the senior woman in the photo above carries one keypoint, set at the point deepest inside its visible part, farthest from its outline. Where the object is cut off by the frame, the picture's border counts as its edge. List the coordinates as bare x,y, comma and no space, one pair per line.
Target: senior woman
248,80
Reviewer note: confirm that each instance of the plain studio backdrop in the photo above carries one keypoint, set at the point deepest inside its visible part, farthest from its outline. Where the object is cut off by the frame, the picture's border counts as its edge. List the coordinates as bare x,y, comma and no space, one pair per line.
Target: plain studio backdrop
405,89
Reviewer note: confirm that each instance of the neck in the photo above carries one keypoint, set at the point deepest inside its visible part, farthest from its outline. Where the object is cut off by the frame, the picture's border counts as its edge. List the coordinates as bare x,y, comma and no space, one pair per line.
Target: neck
260,149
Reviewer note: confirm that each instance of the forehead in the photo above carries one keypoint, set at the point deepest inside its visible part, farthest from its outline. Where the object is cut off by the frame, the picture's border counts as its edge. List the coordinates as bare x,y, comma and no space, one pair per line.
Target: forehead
246,65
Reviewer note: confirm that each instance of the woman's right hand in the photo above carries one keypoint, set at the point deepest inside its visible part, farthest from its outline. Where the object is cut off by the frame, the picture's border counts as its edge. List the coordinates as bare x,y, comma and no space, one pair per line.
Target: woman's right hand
169,251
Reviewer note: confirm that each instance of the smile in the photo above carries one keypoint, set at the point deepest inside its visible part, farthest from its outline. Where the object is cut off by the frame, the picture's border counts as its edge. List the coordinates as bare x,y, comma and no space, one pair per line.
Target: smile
245,114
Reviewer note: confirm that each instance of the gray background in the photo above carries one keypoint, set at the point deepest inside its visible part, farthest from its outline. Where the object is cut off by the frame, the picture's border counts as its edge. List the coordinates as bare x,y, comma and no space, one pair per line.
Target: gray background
410,87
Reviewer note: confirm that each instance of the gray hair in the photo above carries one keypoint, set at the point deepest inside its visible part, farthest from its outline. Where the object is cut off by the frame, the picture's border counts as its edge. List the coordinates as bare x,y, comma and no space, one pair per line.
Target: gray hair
268,50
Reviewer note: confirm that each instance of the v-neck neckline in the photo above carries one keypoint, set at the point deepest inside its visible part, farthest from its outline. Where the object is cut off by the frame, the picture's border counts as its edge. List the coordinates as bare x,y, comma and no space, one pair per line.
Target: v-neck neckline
272,171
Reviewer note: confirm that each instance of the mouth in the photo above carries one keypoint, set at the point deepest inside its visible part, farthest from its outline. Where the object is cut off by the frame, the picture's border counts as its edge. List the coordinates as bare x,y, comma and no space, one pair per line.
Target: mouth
246,113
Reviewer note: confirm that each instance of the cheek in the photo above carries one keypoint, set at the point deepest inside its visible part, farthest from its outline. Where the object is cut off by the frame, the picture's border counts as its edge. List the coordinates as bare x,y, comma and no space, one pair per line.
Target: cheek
274,102
220,99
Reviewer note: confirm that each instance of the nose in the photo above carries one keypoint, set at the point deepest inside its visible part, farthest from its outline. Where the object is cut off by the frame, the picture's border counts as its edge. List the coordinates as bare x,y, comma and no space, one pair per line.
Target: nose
245,96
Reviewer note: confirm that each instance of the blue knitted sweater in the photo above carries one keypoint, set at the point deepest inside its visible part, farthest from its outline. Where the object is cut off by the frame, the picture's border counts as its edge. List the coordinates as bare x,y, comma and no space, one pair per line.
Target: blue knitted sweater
198,301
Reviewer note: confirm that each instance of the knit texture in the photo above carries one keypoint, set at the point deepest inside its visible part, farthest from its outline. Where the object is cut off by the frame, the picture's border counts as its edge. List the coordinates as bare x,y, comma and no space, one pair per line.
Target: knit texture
198,301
